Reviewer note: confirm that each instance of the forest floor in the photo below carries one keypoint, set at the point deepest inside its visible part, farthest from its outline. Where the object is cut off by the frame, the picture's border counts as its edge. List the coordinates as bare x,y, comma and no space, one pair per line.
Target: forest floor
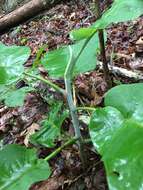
52,28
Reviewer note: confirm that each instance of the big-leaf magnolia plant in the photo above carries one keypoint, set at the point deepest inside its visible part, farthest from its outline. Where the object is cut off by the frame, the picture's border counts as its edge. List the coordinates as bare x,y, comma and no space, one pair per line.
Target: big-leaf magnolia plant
116,130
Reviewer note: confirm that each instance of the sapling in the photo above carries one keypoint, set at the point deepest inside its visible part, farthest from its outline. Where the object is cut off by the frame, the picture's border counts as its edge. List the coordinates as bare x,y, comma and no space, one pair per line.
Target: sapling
67,93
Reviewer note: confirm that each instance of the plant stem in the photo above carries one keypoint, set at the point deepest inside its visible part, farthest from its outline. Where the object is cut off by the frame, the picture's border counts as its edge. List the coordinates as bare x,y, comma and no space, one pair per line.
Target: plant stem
104,60
58,150
68,143
86,108
48,82
56,87
102,48
72,107
68,86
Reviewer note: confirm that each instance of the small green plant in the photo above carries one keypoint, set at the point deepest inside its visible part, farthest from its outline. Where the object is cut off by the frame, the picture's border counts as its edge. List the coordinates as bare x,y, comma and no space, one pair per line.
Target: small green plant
39,55
116,130
51,127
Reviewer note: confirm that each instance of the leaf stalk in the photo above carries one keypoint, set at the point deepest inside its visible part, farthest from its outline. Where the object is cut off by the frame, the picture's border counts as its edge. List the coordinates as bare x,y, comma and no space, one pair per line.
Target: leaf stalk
48,82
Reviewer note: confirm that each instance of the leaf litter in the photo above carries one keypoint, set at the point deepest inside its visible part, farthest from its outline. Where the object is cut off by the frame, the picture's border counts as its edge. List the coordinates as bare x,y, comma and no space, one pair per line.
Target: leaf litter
52,28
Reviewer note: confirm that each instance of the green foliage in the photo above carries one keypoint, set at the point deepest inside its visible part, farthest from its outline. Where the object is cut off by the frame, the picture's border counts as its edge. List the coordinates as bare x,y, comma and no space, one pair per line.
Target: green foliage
39,55
12,59
13,97
81,33
20,168
50,127
123,157
16,98
120,11
103,124
129,101
117,132
55,62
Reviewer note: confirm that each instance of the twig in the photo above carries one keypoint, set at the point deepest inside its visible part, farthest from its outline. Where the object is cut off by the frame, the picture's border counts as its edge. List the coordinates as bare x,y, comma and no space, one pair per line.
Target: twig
121,55
86,108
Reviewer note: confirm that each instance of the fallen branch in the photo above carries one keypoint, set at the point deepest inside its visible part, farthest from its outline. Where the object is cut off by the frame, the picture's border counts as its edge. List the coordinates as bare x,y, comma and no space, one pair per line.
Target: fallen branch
25,12
136,75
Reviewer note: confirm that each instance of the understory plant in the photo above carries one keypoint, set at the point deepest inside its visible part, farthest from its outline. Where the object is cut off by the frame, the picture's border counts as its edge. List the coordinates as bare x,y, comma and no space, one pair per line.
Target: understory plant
116,130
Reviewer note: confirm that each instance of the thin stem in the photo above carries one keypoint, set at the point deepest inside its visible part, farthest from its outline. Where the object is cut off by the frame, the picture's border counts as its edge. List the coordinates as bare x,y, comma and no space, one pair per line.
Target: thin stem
48,82
68,143
104,59
72,107
102,48
58,150
86,108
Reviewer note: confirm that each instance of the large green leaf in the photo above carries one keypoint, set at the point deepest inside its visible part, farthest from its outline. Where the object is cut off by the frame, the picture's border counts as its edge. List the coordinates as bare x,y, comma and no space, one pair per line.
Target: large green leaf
120,145
117,133
121,10
51,127
128,99
121,150
103,124
123,158
56,61
20,168
12,59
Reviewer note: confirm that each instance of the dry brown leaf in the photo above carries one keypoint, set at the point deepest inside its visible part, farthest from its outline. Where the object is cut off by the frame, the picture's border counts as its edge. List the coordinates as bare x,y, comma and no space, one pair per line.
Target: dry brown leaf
30,131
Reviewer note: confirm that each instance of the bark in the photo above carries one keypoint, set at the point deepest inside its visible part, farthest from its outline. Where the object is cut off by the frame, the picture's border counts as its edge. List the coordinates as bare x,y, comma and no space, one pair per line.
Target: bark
135,75
25,12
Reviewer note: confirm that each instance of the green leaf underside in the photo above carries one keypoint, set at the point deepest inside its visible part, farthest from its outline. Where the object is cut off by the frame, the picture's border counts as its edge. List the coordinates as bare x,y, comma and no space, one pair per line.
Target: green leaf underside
12,59
20,168
117,134
55,62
